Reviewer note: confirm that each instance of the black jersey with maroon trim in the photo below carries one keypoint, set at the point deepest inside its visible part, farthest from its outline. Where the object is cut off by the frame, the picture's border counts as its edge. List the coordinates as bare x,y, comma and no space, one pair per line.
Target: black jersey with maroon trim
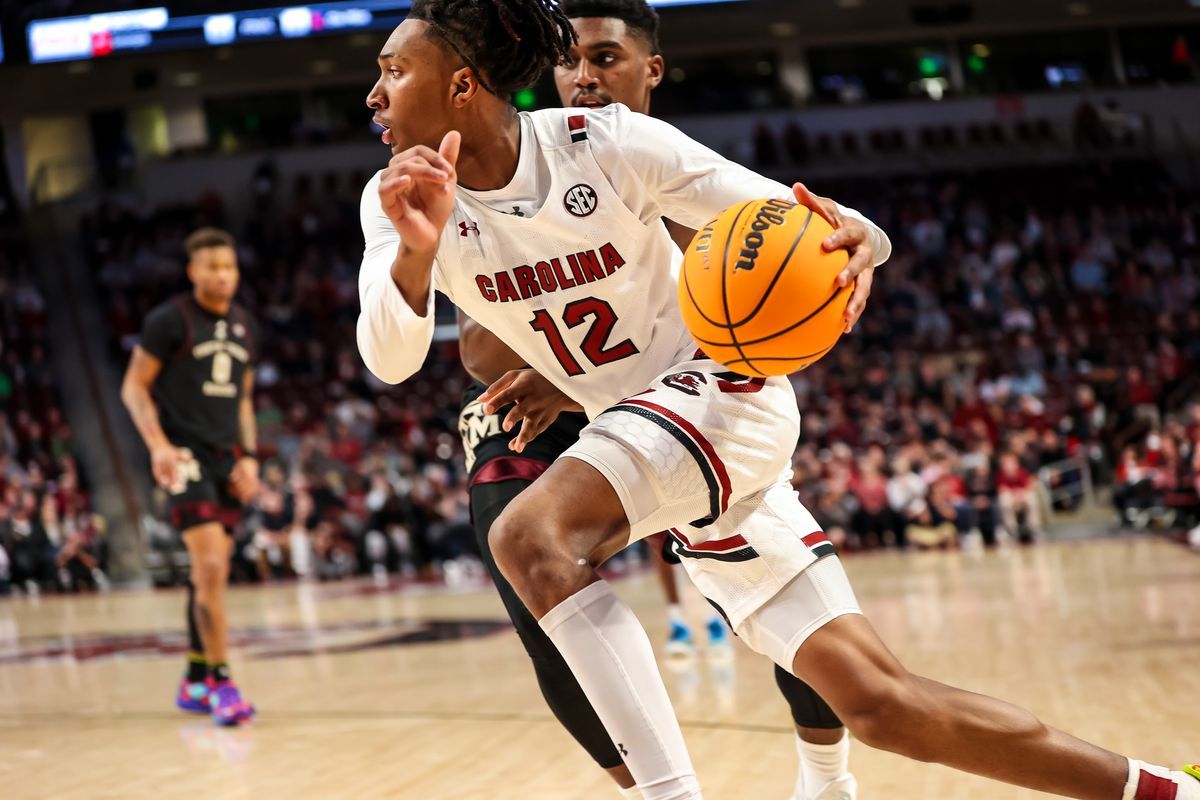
204,361
489,459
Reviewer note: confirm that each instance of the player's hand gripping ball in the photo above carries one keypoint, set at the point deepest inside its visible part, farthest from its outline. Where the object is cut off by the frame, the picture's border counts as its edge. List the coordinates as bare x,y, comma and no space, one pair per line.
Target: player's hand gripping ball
759,293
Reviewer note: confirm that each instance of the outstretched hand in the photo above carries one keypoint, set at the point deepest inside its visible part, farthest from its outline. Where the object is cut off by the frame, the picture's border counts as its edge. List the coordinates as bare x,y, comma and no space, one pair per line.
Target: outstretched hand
536,403
850,234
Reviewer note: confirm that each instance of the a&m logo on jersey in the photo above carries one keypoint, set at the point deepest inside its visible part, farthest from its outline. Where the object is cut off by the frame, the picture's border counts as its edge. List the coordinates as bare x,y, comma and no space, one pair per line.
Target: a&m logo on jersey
580,200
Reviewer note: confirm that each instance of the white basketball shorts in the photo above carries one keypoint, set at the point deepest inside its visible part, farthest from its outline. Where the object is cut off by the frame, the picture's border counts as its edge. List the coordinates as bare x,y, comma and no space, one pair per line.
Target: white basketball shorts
705,454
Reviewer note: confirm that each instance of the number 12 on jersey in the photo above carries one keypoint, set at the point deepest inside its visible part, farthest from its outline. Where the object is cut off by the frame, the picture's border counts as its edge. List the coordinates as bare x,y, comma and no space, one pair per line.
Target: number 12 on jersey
595,342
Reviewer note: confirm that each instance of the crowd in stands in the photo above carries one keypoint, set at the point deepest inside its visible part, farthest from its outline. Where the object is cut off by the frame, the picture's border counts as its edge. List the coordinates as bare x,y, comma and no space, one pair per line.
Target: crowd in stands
1037,323
50,539
1094,128
356,476
1157,479
1036,334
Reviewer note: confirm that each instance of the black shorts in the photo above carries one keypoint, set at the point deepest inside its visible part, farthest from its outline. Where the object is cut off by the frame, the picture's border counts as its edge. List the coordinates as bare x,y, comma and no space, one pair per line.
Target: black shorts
204,494
486,443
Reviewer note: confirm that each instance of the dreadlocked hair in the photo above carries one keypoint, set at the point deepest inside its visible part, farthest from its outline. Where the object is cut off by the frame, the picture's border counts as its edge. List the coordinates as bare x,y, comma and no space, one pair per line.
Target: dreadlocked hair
638,16
508,43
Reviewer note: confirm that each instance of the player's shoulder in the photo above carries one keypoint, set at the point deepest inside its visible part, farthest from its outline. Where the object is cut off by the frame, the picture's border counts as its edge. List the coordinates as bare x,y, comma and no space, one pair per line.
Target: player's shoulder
370,192
561,127
245,325
165,327
240,313
173,308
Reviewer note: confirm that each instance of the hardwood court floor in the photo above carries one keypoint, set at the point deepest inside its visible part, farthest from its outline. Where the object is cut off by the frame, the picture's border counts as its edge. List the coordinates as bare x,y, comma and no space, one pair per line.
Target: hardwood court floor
362,695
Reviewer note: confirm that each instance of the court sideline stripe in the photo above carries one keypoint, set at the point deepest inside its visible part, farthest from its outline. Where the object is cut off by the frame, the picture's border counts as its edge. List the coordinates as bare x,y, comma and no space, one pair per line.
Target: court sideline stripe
300,716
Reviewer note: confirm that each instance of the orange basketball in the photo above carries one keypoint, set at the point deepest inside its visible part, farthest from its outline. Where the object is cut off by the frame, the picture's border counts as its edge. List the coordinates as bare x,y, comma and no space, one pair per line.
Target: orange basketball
757,291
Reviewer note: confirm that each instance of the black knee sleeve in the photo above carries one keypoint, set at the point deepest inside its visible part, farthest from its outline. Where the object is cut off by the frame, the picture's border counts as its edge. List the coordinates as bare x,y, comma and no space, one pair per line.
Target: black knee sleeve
195,643
563,694
572,709
808,709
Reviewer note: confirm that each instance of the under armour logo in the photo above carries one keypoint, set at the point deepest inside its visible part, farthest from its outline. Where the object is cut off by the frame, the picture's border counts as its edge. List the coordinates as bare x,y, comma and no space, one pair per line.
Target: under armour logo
621,747
465,228
516,212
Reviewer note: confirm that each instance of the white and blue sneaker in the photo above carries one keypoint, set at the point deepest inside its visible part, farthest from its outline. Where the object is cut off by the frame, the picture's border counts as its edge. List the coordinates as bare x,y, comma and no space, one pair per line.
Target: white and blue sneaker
720,643
679,641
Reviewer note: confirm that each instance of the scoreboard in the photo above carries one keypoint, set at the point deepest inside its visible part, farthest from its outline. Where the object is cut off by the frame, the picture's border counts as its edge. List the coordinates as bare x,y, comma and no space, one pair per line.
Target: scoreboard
155,29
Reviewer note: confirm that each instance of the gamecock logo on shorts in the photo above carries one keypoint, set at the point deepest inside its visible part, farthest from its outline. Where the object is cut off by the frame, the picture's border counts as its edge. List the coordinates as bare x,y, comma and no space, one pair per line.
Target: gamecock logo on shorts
687,382
580,200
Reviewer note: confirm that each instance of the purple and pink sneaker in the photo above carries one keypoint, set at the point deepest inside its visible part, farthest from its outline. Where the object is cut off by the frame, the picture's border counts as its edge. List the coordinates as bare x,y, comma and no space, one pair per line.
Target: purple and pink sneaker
193,696
228,707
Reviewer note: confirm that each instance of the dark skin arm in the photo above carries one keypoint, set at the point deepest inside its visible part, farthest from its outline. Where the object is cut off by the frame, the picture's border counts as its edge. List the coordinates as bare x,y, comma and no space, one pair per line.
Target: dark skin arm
680,235
139,379
243,480
483,354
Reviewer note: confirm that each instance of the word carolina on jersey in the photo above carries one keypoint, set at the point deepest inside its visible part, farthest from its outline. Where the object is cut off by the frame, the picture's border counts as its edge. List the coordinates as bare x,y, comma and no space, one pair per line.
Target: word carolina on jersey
524,282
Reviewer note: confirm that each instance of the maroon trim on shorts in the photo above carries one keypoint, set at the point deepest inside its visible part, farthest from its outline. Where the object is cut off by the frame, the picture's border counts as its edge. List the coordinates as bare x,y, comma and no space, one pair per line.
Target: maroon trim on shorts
732,549
201,512
715,546
689,429
815,538
509,468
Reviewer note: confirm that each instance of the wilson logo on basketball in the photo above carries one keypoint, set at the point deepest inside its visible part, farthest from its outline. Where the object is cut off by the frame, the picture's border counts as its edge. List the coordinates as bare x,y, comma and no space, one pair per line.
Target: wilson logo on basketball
580,200
703,240
772,213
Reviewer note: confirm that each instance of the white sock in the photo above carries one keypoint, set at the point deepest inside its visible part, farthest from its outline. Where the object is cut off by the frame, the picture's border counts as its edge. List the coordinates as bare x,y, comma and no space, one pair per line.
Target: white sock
675,614
1159,782
631,793
610,655
822,763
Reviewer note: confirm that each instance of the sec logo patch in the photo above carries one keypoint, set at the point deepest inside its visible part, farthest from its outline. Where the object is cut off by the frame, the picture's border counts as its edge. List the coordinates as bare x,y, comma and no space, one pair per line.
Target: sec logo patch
580,200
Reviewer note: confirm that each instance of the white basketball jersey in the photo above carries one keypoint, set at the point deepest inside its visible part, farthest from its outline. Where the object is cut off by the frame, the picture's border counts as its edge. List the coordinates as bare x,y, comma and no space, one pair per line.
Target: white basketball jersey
570,264
582,289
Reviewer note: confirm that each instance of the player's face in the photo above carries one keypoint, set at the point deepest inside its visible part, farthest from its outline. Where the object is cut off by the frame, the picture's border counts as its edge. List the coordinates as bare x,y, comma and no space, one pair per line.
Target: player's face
214,273
412,98
608,64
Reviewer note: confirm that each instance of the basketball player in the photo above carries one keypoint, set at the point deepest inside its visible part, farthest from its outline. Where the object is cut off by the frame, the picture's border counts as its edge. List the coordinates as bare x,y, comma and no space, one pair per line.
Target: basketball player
583,291
189,388
616,59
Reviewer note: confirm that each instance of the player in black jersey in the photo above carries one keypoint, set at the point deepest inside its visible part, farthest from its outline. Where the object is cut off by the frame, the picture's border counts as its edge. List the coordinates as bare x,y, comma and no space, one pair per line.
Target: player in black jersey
616,60
189,389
